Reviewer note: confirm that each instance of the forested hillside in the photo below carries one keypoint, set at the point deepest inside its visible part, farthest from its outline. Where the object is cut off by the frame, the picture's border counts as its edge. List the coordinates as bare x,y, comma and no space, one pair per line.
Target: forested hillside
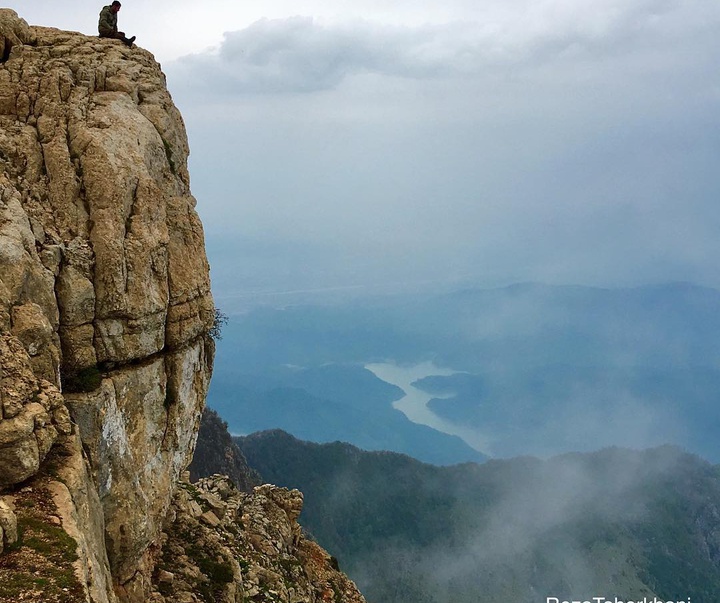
615,522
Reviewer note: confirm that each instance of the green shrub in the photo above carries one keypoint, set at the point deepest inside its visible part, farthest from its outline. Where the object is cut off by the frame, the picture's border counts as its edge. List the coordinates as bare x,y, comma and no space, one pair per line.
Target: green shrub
219,322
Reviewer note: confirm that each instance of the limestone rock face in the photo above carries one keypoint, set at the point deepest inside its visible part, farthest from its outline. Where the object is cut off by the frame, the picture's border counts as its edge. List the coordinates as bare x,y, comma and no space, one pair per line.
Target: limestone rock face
13,31
95,153
8,526
138,429
105,357
58,554
226,546
104,282
32,414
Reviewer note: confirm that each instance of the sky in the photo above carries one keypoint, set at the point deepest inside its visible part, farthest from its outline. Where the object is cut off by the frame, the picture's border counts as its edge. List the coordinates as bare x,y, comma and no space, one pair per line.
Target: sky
366,144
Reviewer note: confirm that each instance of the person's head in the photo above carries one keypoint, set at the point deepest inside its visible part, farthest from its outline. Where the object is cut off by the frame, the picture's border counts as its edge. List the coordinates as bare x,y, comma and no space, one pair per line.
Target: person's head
115,6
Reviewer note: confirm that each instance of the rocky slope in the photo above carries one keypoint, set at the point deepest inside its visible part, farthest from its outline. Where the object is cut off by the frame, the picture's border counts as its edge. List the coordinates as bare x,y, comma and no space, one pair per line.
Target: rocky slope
105,316
224,546
216,452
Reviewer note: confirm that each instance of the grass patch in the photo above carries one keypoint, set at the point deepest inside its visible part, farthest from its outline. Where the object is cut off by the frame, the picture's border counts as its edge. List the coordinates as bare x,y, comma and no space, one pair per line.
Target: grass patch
39,566
50,541
218,574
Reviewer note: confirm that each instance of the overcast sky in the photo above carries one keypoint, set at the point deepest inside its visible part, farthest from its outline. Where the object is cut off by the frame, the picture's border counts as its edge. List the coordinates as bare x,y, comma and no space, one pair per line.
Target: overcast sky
342,144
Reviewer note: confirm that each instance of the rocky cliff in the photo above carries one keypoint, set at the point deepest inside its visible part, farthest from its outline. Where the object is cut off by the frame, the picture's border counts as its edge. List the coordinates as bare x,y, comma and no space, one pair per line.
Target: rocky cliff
216,452
105,315
226,546
104,283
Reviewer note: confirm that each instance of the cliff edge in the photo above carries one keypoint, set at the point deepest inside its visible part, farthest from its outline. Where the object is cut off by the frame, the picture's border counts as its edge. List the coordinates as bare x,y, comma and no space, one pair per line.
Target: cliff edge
106,351
104,293
104,290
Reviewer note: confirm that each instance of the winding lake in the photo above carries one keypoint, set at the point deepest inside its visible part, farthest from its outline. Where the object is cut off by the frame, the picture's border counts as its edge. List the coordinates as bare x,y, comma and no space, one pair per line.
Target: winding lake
414,403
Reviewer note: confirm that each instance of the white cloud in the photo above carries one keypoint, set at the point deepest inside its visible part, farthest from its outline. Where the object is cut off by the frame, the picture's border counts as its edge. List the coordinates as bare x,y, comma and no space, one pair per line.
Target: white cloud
305,54
301,54
547,140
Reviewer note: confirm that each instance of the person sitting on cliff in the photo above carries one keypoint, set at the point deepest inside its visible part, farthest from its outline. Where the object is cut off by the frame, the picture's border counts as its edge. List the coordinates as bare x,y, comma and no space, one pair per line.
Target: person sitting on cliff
107,26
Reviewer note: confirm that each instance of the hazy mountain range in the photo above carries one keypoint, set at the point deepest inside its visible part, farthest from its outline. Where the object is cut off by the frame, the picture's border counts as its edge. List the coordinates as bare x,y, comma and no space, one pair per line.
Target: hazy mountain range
539,370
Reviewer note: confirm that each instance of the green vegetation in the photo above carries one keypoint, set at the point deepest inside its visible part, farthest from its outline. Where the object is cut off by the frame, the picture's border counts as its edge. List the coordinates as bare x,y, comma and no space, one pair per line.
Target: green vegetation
219,321
169,155
41,562
215,574
616,522
195,495
84,380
